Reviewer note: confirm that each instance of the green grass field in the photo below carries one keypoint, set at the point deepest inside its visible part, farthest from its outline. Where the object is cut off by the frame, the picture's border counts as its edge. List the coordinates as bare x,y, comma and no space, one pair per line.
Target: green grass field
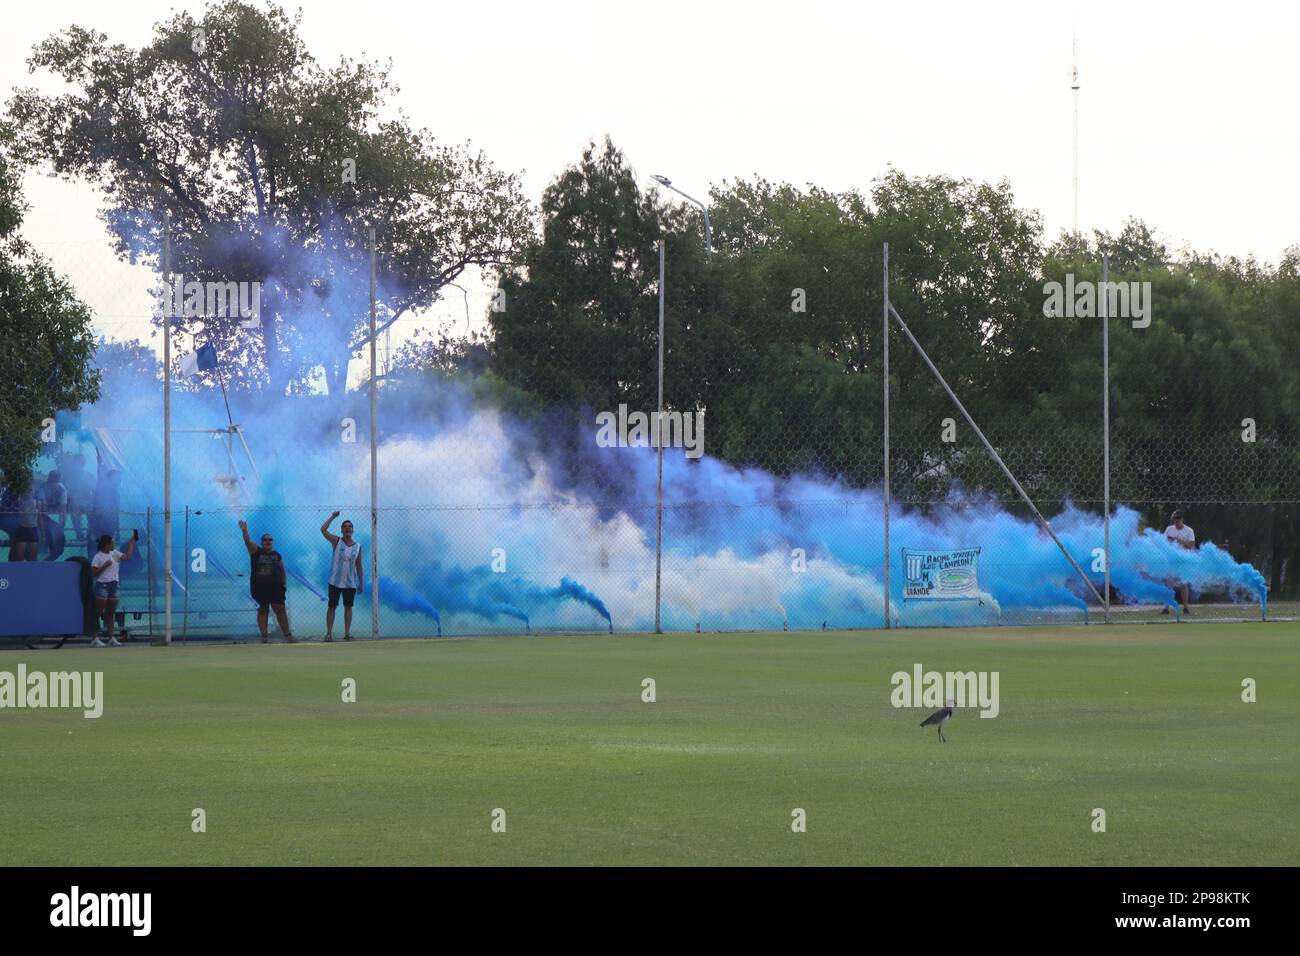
1145,722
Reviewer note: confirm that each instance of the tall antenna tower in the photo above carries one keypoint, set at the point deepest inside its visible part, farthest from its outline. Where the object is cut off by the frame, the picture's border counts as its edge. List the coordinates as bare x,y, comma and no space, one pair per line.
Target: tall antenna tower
1074,86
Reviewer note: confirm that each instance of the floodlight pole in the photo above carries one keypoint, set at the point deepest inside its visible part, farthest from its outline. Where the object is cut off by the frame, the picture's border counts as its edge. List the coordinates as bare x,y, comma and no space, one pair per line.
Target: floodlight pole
885,377
1074,87
708,229
167,425
659,417
374,462
1105,412
658,431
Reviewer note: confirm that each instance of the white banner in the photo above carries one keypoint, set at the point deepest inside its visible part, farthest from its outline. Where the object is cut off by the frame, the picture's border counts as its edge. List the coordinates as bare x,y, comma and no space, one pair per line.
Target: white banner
941,575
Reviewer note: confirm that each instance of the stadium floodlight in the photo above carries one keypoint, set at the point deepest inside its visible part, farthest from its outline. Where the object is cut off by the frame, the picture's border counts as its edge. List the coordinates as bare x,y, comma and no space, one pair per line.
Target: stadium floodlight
708,229
659,451
659,418
374,458
167,316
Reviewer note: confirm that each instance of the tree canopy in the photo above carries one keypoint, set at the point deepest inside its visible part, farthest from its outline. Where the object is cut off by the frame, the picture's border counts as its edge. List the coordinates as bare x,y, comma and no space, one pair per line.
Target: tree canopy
46,363
272,167
777,339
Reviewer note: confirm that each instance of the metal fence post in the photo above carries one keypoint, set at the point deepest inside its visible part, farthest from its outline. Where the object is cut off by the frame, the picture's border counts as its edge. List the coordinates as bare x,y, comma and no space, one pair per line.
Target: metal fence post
374,462
659,424
167,427
885,378
148,563
1105,413
185,615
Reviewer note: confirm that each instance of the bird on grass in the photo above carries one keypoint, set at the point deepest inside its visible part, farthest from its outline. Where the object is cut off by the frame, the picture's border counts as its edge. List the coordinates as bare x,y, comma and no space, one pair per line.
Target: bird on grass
939,718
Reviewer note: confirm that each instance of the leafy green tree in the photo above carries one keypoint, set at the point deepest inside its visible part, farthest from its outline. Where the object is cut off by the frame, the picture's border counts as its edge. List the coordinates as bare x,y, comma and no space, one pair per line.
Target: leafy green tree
580,317
126,367
800,364
229,124
963,259
46,362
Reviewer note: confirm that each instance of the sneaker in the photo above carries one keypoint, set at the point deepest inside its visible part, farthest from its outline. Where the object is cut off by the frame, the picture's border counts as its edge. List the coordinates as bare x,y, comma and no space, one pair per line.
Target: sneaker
98,643
265,639
328,638
114,642
288,639
347,637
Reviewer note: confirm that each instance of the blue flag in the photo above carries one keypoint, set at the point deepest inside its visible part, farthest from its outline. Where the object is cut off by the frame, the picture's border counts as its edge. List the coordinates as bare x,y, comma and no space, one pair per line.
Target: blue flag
202,360
207,356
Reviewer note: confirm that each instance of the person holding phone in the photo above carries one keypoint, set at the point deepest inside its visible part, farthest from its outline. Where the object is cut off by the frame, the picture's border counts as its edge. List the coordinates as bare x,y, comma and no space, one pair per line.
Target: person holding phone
105,567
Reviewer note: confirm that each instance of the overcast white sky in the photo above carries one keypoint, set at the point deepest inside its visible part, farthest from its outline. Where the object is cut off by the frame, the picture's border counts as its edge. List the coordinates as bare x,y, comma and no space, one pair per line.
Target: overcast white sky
1187,115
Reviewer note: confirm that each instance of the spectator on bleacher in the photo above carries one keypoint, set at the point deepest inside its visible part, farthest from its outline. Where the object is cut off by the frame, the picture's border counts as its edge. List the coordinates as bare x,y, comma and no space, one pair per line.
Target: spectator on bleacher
105,568
1182,535
52,496
105,503
26,538
81,493
8,512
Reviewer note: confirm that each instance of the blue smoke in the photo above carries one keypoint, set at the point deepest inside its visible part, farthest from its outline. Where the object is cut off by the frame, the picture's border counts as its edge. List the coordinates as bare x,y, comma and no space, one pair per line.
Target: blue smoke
463,483
468,591
571,588
466,480
397,595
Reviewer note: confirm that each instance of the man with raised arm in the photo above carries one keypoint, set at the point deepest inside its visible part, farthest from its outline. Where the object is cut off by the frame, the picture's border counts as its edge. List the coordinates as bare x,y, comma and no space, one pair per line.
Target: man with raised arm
345,575
1181,534
268,583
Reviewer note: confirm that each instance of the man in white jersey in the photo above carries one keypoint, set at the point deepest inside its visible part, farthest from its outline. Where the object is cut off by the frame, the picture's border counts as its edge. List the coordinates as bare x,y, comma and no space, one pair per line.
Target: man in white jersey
345,575
1183,536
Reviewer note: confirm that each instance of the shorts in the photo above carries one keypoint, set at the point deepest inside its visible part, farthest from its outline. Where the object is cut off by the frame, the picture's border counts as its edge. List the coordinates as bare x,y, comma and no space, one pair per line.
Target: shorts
25,535
349,595
106,590
269,593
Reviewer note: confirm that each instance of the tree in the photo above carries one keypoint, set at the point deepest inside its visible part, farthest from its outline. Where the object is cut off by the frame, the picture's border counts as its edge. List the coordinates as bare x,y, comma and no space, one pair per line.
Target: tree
128,366
271,167
46,362
580,318
963,259
778,334
802,361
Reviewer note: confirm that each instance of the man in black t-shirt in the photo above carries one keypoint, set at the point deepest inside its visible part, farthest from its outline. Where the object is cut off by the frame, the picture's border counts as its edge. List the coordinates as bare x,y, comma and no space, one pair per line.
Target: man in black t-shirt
267,583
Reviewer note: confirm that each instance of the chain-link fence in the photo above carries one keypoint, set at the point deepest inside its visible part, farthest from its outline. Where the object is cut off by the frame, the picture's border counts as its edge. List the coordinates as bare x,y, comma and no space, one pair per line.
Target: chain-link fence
518,489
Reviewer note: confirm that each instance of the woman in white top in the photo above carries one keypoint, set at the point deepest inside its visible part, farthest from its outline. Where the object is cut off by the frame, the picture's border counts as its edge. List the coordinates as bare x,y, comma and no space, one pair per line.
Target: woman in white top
104,566
345,575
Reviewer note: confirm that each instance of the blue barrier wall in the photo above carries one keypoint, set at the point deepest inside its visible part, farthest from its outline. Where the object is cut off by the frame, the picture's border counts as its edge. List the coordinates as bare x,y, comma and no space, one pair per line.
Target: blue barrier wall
40,598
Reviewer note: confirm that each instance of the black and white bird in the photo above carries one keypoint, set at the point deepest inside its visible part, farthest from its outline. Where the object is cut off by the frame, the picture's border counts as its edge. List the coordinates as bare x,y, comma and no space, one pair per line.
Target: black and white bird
939,718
